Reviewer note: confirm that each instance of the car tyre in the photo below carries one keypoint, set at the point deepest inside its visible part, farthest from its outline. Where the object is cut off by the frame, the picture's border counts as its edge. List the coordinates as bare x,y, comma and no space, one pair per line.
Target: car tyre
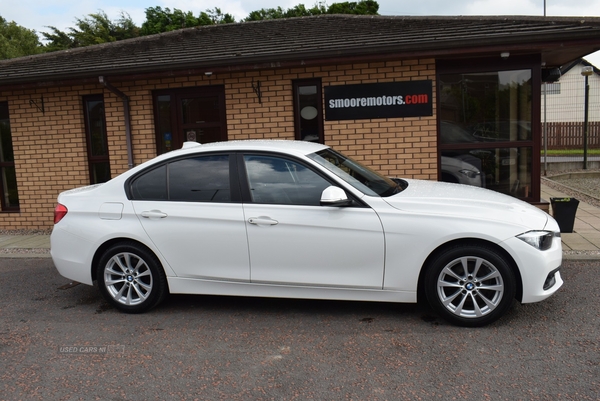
131,278
470,285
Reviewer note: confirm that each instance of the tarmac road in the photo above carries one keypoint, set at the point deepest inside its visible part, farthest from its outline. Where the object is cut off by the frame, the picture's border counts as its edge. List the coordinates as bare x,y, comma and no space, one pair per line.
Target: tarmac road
60,343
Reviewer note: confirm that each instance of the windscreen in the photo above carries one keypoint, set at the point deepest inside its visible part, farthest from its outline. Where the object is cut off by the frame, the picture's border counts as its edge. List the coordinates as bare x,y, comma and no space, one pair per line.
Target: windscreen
360,177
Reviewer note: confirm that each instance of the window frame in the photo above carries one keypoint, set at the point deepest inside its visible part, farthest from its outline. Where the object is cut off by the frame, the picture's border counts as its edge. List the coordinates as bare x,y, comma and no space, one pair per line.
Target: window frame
234,184
94,160
176,176
290,186
296,84
245,185
175,114
485,65
8,164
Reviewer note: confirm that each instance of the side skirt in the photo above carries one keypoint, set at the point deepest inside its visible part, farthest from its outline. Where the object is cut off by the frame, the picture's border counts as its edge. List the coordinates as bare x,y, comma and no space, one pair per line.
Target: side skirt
209,287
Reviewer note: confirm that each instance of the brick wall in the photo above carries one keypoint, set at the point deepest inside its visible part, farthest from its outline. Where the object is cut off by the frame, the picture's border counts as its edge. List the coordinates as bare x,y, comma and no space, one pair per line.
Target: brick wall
49,151
50,147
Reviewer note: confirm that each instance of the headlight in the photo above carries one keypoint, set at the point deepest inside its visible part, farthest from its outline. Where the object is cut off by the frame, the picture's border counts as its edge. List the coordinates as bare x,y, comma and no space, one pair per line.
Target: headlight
541,240
470,173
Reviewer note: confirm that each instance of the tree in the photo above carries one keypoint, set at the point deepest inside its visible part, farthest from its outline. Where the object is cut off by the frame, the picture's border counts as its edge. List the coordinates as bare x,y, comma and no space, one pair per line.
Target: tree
98,28
301,11
58,40
164,20
217,17
92,30
159,20
363,7
17,41
264,14
275,13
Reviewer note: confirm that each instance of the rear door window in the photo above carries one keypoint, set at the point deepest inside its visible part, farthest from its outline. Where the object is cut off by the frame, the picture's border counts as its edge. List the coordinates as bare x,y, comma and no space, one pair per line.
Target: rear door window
196,179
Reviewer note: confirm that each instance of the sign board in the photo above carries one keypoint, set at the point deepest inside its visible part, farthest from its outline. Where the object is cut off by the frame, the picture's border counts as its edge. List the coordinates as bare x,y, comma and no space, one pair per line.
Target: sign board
380,100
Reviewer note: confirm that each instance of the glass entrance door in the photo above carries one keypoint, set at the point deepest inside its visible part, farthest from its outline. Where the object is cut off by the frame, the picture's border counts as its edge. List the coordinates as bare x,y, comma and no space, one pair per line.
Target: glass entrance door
488,134
191,114
200,118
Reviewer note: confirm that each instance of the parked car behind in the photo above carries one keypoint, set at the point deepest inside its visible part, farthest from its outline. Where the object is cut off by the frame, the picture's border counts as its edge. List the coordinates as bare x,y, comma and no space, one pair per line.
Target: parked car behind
460,172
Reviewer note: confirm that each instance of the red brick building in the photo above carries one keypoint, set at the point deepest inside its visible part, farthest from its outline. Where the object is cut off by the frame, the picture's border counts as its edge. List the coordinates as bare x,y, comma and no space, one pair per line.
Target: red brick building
419,97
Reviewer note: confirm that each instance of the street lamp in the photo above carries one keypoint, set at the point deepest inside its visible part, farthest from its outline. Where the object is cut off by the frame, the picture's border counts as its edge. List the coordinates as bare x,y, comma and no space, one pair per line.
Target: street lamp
586,72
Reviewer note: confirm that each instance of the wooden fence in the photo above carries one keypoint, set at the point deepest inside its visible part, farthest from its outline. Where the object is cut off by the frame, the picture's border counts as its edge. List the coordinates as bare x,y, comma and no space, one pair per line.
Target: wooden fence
570,135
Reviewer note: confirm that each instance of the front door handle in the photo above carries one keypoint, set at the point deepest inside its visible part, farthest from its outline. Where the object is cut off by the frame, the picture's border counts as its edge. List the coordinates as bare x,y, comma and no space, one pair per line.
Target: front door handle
154,214
262,221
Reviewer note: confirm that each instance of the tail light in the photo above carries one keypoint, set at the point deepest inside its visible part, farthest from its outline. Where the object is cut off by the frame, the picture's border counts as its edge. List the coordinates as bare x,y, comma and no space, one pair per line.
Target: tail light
60,211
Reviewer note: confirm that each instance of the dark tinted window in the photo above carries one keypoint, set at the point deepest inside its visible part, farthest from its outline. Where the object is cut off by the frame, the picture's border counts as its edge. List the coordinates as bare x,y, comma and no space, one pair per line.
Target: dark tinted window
9,194
199,179
486,107
152,185
97,142
189,114
486,136
308,113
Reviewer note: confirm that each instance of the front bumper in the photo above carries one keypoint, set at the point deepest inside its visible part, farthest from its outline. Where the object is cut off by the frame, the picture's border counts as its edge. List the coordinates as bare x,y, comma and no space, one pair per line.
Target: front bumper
539,270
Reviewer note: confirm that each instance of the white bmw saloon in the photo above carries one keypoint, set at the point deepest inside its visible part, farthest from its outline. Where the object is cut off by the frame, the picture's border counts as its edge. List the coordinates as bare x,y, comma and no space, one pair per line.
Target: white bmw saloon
295,219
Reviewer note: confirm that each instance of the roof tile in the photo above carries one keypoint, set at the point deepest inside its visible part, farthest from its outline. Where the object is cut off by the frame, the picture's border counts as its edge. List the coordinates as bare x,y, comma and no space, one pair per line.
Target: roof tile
293,39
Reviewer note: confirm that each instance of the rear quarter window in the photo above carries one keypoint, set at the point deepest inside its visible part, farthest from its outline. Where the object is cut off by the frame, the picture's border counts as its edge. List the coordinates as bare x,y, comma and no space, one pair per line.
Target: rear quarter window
151,185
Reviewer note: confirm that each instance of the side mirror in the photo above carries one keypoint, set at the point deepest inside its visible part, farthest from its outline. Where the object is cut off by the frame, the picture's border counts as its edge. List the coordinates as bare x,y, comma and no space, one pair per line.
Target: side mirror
335,196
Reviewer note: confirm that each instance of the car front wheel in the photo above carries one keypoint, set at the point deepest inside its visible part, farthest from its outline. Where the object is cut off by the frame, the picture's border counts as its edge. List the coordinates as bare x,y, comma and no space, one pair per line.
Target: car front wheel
131,278
470,285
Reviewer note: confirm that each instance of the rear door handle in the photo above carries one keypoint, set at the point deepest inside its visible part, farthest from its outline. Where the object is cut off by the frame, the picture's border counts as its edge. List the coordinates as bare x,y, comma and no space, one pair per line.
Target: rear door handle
154,214
262,221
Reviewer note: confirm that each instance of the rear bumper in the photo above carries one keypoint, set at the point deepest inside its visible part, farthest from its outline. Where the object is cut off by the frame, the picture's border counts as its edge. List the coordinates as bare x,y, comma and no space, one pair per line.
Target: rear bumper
70,255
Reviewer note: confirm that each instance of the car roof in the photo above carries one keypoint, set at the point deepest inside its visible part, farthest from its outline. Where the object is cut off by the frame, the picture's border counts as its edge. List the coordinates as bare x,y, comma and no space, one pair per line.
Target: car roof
275,145
297,148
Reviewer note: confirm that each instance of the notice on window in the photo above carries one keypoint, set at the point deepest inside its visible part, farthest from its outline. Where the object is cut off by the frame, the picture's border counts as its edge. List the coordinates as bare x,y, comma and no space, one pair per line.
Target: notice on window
381,100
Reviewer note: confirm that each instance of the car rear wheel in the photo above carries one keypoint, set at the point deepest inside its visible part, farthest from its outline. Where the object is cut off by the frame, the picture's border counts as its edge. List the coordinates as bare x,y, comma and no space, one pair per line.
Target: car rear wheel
131,278
470,285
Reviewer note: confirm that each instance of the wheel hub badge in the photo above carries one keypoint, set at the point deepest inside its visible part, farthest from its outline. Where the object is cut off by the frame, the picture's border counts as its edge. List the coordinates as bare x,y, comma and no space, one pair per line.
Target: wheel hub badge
130,278
470,286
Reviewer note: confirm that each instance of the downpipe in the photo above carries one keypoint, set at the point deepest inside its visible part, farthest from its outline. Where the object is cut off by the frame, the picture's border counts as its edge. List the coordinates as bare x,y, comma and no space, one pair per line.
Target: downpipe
126,111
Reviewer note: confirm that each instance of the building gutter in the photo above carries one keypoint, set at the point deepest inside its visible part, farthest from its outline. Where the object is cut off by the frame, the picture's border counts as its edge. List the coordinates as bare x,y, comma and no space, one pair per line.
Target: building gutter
127,113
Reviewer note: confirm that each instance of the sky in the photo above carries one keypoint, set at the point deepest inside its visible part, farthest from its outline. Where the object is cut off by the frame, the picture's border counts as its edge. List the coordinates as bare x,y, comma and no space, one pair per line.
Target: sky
37,15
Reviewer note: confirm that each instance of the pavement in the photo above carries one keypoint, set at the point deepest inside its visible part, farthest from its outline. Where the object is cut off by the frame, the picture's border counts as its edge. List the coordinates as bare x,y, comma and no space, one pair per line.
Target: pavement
583,243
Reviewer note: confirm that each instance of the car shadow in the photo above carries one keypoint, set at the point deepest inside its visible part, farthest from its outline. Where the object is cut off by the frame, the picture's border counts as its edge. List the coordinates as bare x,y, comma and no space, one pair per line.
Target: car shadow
363,312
